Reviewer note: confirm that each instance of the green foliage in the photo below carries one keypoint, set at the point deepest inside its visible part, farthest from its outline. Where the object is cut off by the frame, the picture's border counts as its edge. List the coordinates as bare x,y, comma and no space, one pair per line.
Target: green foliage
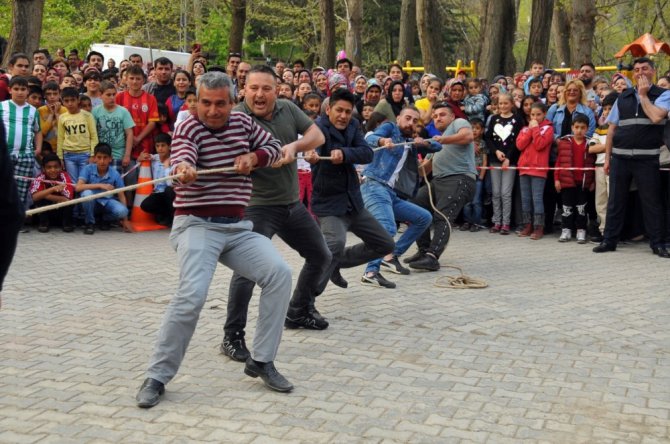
289,29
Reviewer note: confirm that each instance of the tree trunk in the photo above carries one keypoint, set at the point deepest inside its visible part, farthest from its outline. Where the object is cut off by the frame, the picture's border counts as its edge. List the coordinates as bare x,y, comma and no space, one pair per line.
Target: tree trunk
664,23
327,55
407,37
352,43
197,22
26,28
428,24
561,29
540,29
239,18
583,26
497,56
483,7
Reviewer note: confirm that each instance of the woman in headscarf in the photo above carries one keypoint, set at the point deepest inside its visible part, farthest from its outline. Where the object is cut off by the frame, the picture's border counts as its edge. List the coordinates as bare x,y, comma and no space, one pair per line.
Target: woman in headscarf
393,103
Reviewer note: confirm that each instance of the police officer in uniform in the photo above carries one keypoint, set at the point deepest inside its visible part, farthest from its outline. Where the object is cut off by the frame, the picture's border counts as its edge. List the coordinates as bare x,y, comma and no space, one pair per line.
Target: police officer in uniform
634,138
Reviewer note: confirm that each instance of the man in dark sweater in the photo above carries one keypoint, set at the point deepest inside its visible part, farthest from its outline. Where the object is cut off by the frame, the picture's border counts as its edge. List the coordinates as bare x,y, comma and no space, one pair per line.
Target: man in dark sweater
336,195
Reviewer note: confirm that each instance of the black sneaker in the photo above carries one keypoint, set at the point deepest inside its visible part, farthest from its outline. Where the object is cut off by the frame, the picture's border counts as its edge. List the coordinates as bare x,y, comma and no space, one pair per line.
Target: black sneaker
105,226
235,348
89,229
303,318
465,227
377,280
415,257
427,262
43,228
394,266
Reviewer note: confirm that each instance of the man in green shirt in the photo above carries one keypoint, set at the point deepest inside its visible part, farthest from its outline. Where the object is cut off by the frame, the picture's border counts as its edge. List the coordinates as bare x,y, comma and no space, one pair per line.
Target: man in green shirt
275,208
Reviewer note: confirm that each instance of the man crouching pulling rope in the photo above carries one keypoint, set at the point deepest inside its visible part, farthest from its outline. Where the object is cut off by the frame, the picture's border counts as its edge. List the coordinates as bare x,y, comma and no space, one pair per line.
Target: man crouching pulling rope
453,184
208,228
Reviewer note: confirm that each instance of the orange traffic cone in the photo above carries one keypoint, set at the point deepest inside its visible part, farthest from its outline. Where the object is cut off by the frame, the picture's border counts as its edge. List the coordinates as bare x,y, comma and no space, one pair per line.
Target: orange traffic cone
140,219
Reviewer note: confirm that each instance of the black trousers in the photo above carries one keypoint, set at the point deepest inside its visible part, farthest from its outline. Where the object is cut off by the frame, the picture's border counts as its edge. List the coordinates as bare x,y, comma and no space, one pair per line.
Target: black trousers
295,226
648,179
574,208
377,242
450,195
160,205
62,215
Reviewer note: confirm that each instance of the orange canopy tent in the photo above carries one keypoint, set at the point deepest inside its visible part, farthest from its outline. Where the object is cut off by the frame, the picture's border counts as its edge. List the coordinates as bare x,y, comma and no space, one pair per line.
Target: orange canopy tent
644,45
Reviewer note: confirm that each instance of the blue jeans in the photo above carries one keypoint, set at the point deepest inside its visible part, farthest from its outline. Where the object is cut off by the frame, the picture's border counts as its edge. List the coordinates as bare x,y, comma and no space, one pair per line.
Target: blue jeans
112,209
472,211
74,163
200,244
383,203
532,193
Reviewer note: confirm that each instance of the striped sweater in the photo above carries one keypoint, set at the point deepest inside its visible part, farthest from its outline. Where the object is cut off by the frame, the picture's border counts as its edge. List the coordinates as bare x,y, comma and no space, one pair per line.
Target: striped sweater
224,194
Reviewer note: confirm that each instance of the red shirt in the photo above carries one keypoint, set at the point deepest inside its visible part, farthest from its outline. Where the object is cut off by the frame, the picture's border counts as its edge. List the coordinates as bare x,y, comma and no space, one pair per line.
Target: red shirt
42,183
143,109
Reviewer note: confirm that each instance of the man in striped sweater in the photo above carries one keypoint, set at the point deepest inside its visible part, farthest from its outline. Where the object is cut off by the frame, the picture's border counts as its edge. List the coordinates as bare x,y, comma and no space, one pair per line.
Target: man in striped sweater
208,227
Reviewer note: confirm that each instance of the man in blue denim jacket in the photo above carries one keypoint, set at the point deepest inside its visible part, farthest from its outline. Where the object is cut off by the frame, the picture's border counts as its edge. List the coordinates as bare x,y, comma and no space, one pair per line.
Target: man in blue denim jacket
381,194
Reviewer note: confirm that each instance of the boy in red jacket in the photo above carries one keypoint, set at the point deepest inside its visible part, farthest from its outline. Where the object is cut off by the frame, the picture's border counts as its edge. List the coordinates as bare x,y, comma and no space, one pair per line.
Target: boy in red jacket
574,185
534,142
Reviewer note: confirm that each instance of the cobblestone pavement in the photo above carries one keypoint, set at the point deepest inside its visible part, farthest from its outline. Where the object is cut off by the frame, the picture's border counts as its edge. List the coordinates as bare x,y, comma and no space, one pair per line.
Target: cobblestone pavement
564,346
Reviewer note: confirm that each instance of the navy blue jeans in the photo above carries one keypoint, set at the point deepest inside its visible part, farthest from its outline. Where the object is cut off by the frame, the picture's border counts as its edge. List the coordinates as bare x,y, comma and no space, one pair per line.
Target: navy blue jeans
472,211
532,193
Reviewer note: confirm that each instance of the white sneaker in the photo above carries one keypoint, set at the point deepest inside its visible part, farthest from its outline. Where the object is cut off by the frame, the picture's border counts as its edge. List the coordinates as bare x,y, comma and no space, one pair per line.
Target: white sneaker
566,235
581,236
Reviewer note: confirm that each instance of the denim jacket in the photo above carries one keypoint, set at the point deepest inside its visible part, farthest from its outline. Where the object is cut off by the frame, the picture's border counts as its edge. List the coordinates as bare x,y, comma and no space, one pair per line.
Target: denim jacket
385,161
556,114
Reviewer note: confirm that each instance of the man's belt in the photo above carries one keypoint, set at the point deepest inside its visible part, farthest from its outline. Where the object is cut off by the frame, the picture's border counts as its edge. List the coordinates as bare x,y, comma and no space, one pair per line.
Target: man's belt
636,152
639,121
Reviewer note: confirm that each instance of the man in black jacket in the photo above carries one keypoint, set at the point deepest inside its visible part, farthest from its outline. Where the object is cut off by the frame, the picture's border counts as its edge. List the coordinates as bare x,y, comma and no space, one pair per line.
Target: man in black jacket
632,150
11,210
336,194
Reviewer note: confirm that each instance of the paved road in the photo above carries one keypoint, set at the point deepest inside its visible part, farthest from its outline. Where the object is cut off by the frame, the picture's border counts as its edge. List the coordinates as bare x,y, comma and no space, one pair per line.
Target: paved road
565,346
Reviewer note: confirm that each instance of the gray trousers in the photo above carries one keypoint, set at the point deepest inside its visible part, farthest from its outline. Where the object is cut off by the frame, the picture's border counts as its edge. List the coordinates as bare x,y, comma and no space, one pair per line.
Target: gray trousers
200,244
502,183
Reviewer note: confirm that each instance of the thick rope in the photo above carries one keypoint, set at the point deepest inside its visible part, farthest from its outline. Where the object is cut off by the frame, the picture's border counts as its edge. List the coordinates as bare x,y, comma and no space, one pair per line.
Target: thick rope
121,190
461,281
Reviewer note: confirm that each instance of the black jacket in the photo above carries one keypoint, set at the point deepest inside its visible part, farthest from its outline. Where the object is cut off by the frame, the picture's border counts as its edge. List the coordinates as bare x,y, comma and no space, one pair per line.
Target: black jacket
335,188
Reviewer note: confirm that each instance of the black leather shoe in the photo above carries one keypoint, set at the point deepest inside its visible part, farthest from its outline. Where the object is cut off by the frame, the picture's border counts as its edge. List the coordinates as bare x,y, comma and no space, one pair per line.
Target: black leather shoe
604,247
337,279
415,257
427,262
269,374
660,252
150,393
235,348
